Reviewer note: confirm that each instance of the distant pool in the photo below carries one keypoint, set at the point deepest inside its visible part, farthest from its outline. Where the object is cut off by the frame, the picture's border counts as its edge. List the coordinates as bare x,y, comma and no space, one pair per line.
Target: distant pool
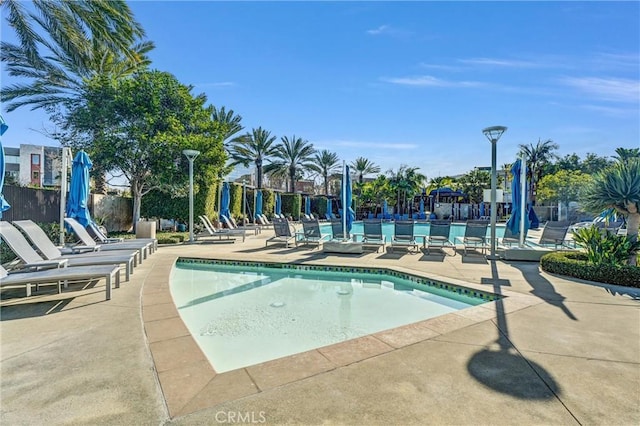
420,228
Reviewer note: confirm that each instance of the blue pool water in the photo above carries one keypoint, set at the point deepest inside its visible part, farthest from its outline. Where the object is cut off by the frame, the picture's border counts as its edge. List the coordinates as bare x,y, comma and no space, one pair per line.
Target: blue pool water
245,315
419,228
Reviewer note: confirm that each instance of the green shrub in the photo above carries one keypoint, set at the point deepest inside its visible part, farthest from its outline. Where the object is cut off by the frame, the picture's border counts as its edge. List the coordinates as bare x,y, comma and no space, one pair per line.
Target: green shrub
291,204
605,248
168,240
576,264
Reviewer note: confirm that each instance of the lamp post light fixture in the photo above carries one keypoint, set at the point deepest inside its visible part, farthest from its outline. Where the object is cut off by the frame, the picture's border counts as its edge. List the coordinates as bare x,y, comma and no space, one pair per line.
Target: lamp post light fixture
493,133
191,155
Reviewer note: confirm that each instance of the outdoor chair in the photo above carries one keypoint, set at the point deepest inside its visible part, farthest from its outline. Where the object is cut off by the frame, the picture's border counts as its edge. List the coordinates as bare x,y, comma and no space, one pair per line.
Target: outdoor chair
87,240
403,236
230,223
284,232
372,234
32,260
212,231
311,233
475,236
554,233
60,275
439,231
337,230
49,250
101,238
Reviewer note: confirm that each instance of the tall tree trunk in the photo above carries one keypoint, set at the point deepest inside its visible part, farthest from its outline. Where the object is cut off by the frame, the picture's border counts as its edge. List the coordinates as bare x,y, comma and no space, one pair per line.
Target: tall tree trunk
326,184
259,173
292,178
136,193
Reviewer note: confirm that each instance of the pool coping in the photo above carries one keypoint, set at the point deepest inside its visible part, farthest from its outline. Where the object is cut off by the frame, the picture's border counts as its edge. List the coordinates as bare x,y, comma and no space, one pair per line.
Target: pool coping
189,383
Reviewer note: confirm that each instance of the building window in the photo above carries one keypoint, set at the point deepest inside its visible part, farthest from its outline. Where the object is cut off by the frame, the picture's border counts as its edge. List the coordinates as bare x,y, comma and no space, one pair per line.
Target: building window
35,159
35,177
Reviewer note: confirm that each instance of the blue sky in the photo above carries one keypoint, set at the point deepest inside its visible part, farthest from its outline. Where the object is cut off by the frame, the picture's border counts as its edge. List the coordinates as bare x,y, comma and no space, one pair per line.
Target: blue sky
404,83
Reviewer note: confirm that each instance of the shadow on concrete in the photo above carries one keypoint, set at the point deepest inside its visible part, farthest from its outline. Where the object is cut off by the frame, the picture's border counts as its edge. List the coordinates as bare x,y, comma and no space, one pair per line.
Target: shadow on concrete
433,256
541,287
503,368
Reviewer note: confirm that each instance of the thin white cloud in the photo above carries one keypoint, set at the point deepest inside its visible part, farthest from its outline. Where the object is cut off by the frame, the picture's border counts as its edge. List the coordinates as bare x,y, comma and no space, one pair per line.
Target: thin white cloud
382,29
608,89
388,30
612,111
430,81
441,67
216,84
506,63
617,60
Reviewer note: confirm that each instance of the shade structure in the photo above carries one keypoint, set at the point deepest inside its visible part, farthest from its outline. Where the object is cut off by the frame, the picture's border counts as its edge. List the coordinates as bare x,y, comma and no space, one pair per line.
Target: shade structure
514,220
278,203
307,206
259,203
225,200
78,201
348,215
4,206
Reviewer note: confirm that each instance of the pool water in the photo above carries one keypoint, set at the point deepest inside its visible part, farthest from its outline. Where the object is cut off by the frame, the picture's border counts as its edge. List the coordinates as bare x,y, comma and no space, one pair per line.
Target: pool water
245,315
419,228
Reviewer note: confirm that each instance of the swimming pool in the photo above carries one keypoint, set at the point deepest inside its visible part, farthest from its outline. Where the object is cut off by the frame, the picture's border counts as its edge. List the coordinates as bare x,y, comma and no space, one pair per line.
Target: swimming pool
245,313
419,228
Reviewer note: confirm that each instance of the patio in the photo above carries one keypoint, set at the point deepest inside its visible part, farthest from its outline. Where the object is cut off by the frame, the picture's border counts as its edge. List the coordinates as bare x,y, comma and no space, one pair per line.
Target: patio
558,351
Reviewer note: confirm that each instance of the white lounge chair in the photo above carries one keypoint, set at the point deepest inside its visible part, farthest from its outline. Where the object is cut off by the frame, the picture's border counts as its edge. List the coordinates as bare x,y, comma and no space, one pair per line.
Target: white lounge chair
211,231
60,275
32,260
83,235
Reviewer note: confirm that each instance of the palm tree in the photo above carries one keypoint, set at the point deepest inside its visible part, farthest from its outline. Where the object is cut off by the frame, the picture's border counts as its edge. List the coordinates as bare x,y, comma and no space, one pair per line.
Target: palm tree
473,184
294,156
253,147
623,154
538,156
361,166
66,43
618,187
406,181
326,164
229,119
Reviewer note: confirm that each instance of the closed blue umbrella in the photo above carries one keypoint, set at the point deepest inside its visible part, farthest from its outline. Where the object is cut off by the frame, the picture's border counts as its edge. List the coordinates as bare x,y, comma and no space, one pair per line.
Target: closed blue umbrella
348,214
4,206
421,208
482,209
259,203
78,201
514,220
384,209
307,206
225,201
278,204
329,206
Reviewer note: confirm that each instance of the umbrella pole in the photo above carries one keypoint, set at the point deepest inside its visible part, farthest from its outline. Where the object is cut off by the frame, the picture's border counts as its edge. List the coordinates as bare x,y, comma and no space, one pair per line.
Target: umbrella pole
523,198
343,195
66,153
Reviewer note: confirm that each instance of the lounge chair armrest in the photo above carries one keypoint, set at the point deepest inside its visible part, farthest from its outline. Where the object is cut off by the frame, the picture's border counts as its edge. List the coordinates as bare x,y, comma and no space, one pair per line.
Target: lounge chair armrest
47,264
113,240
79,249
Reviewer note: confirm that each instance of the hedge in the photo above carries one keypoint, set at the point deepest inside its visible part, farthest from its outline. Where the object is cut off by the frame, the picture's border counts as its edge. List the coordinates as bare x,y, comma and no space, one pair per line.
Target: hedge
574,264
162,205
291,204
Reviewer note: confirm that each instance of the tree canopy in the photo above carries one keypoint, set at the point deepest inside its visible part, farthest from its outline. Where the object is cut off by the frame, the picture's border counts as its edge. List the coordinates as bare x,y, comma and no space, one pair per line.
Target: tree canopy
140,125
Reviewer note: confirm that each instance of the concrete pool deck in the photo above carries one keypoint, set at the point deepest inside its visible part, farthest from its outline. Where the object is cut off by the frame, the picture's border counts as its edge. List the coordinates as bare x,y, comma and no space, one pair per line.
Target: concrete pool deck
556,351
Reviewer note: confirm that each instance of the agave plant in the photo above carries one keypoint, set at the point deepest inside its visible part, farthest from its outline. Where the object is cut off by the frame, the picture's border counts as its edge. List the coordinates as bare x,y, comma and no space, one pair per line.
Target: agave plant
605,248
618,187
